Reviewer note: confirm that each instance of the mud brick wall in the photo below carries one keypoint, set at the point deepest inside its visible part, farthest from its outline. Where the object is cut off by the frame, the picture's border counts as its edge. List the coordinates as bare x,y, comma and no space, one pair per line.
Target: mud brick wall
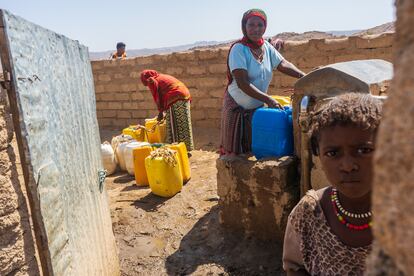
122,99
256,197
394,170
17,251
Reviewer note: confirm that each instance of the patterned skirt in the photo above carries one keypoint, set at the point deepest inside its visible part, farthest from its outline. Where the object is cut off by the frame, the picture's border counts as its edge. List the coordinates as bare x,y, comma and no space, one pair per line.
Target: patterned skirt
236,127
178,122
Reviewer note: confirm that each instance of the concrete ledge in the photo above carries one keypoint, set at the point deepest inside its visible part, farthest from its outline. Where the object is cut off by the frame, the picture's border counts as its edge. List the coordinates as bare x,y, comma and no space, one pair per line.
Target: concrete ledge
256,197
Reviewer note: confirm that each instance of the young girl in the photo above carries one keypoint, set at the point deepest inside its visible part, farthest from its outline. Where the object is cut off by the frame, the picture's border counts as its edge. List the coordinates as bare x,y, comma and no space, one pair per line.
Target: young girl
329,230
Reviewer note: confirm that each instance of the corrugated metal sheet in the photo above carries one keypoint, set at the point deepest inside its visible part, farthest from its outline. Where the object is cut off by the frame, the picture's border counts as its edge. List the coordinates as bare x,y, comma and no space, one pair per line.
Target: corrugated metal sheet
342,77
55,98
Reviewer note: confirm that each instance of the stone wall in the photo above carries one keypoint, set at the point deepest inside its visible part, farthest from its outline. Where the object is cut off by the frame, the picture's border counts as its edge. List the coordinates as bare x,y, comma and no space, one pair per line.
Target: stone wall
256,197
394,171
122,99
17,251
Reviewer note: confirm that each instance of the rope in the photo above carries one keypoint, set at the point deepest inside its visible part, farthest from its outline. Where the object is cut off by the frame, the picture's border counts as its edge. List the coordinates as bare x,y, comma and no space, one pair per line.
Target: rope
168,155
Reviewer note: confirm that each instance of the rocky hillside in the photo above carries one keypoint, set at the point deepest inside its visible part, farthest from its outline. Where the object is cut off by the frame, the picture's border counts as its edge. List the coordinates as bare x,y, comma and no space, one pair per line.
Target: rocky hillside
387,27
384,28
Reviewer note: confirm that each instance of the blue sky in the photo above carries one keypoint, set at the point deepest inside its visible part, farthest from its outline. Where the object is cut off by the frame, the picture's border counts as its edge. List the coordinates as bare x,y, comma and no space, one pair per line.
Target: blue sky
152,24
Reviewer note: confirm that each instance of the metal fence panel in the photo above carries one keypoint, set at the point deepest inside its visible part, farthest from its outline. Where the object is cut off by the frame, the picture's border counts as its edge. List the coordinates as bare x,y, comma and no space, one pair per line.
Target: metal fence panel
52,85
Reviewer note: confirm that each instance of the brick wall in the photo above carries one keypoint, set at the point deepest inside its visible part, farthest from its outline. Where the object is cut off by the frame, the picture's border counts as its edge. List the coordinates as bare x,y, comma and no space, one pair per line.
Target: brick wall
17,246
122,99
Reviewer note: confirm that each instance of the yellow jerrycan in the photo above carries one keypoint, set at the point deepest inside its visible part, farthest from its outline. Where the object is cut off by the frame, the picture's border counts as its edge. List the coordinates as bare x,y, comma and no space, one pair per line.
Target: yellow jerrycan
163,170
182,159
139,155
282,100
156,135
136,133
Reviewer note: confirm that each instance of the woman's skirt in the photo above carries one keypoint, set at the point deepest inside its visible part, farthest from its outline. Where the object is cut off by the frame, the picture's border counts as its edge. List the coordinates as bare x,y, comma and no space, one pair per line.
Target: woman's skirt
236,127
178,120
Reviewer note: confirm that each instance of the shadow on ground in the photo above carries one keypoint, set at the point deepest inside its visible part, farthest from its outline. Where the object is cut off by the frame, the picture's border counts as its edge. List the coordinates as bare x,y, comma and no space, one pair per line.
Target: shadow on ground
150,202
210,244
123,178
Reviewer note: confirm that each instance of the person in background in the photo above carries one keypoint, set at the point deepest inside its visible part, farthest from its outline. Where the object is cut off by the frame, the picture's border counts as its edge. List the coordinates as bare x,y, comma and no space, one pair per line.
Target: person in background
173,98
250,66
278,43
329,230
120,51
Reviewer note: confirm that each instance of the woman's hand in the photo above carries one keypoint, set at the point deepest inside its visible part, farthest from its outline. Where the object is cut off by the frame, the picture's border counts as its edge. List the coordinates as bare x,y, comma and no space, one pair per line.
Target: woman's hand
160,116
272,103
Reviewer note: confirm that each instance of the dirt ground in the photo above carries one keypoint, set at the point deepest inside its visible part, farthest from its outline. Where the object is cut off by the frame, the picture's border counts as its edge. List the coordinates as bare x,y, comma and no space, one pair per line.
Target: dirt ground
182,235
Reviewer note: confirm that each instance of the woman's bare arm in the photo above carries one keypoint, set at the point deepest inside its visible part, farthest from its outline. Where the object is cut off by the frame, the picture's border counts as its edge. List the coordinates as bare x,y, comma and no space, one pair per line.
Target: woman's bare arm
289,69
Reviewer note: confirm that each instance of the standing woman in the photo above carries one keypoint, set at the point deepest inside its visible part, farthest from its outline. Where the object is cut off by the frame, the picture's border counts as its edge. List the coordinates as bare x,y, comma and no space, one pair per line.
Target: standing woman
173,97
250,63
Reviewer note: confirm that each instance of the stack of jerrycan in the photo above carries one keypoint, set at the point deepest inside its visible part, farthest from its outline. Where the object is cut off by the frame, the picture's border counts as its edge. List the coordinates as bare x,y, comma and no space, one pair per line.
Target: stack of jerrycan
155,131
120,155
164,172
272,132
152,132
181,149
119,144
282,100
129,157
141,153
137,132
135,154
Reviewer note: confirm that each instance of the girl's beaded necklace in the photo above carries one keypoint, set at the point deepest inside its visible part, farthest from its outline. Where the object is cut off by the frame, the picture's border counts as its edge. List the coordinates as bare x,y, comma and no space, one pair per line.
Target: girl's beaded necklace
337,206
345,212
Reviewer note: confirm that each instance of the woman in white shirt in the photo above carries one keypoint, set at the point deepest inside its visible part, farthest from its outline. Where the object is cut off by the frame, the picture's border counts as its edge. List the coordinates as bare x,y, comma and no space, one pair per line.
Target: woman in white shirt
250,66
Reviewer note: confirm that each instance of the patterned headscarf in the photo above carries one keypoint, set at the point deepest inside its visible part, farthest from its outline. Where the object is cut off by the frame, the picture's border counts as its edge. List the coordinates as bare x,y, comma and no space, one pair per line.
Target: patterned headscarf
245,40
146,74
249,14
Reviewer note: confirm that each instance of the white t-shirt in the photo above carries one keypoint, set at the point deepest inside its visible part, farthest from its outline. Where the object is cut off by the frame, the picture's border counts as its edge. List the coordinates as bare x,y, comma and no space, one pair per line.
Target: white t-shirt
259,73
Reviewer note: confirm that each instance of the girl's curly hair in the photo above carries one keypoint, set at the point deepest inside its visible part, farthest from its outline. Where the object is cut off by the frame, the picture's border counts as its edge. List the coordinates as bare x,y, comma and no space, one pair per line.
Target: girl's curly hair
355,109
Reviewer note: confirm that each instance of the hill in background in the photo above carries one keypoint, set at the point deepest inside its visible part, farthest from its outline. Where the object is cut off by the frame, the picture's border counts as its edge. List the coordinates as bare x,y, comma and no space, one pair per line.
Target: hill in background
384,28
387,27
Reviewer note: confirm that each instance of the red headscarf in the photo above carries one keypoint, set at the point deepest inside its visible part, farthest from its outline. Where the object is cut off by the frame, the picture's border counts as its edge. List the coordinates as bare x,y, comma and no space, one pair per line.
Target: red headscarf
245,40
165,89
147,74
249,14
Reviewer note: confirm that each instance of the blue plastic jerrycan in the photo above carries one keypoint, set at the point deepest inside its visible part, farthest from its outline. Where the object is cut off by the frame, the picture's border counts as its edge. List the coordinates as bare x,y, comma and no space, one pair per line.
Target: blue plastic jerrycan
272,132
